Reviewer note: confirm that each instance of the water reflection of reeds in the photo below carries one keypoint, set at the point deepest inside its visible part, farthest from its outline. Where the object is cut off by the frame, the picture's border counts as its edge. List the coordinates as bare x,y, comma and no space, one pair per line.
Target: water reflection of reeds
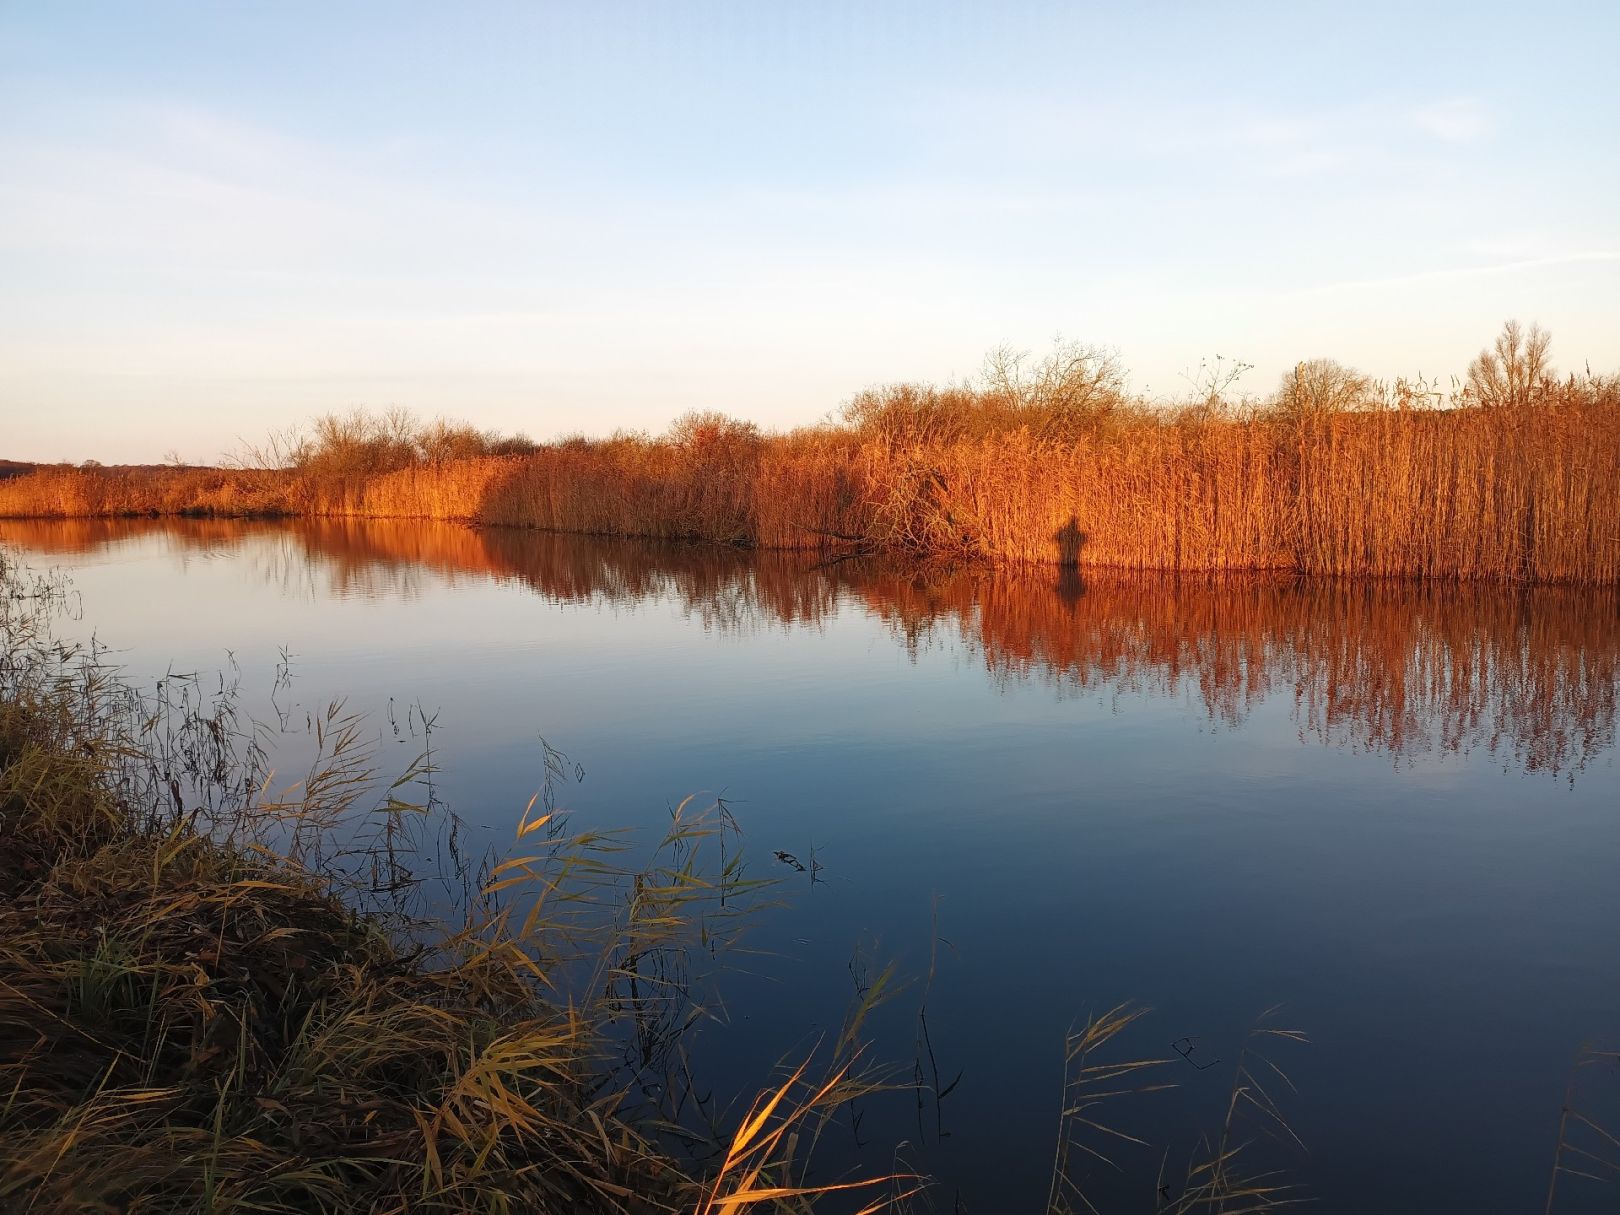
1528,674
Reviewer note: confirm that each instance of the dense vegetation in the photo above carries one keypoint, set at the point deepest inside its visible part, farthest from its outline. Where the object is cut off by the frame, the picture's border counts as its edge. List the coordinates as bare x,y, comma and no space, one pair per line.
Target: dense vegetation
1512,476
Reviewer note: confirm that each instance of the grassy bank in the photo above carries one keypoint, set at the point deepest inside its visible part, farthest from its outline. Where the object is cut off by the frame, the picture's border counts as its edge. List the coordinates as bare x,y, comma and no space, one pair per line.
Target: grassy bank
1513,477
216,1000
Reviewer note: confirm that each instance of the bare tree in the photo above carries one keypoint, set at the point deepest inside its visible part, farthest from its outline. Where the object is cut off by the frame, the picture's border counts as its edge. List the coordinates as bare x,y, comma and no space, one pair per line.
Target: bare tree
1515,371
702,430
1074,385
362,442
1214,385
1317,387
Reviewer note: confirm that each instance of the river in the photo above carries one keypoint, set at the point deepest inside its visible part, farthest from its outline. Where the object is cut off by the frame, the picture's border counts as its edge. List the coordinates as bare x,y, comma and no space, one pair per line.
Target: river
1392,810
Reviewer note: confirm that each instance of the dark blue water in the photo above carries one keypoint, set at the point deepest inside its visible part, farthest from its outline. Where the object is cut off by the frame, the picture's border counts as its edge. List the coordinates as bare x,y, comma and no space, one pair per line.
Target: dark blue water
1391,810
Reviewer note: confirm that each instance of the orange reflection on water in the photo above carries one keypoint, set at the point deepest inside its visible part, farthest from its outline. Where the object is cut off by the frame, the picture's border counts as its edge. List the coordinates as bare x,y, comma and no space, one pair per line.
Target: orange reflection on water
1529,674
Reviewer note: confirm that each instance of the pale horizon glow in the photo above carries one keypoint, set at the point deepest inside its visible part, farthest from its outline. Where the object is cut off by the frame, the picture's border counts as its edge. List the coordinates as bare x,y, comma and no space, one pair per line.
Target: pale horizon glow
216,221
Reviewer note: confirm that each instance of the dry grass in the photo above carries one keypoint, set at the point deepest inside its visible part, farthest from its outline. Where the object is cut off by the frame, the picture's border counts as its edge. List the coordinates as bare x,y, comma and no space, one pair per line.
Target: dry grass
216,1000
1586,1164
65,492
1222,1173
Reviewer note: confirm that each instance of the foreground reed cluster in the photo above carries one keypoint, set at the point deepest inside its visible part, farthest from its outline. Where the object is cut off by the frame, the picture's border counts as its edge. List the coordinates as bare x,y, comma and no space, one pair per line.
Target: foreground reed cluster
214,1000
1512,476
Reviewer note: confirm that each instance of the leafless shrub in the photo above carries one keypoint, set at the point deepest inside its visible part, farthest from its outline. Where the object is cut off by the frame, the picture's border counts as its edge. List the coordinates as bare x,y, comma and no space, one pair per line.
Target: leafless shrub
1070,391
1515,372
1317,387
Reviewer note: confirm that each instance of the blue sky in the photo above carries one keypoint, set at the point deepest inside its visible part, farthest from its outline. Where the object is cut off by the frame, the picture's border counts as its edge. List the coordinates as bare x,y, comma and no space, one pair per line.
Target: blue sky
218,219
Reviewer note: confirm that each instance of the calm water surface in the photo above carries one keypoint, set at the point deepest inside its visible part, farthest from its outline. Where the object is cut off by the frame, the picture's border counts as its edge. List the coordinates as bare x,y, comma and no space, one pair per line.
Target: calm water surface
1392,810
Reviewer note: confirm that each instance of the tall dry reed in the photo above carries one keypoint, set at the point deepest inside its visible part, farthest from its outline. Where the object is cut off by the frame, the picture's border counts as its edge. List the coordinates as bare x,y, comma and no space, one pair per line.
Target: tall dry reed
1328,479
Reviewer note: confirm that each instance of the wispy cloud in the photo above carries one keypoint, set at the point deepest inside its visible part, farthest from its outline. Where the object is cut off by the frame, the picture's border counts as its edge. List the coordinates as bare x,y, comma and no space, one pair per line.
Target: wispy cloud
1310,163
1455,120
1591,257
1363,139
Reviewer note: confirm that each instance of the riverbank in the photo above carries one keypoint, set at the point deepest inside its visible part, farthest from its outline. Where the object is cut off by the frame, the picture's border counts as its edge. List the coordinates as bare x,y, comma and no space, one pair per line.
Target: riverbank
1503,494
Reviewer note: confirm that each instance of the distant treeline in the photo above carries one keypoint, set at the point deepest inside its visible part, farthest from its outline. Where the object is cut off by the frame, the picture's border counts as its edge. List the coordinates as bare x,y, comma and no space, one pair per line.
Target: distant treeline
1512,474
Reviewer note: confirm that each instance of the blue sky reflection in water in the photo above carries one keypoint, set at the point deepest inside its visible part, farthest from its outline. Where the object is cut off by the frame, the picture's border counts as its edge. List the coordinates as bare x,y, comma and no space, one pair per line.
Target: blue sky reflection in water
1391,809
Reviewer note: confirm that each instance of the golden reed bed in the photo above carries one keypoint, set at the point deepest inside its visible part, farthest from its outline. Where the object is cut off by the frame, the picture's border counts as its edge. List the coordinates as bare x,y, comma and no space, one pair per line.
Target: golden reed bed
1471,493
